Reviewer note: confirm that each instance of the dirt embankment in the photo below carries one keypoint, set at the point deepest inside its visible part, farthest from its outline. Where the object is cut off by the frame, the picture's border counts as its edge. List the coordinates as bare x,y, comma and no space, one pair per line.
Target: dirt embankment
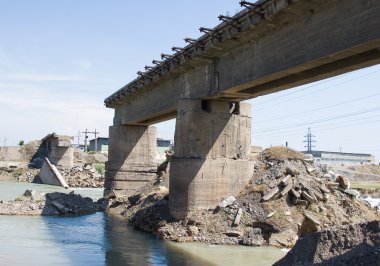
342,245
287,197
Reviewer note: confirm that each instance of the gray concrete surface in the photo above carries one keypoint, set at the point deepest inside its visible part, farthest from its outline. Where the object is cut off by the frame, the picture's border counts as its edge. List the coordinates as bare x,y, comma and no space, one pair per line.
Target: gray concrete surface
279,45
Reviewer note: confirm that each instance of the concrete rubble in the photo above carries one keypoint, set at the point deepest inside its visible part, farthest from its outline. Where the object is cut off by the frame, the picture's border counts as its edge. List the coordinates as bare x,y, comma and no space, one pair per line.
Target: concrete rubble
283,201
56,203
357,244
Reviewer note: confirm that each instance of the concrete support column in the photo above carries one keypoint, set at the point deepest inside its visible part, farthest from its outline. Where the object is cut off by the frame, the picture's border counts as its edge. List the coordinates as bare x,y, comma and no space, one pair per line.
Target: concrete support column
131,158
211,154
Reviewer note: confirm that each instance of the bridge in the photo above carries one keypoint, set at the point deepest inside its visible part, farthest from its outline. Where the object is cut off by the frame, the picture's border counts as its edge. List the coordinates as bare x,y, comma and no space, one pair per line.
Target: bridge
271,45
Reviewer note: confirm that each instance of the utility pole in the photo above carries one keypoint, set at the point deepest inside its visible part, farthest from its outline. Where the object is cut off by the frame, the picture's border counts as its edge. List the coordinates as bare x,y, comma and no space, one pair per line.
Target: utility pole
85,139
309,141
96,133
78,137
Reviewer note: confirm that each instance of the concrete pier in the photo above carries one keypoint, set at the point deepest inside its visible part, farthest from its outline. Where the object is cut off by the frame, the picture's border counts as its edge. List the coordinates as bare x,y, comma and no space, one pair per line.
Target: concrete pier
131,158
211,157
273,46
59,149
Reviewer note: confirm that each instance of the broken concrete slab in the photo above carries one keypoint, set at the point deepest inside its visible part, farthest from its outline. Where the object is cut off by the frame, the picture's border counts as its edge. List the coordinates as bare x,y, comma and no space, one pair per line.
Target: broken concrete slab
286,189
308,197
311,218
295,193
270,194
238,217
227,202
50,175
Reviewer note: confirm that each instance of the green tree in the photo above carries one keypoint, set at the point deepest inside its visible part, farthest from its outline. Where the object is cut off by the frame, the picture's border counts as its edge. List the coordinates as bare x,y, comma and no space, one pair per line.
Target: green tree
21,143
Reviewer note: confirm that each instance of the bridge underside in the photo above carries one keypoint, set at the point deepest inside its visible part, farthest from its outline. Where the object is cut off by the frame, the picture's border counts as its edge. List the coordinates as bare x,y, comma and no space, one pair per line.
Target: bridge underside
297,42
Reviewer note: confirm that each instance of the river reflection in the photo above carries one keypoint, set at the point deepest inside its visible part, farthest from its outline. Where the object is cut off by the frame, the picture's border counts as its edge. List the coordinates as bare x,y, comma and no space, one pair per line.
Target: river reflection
102,239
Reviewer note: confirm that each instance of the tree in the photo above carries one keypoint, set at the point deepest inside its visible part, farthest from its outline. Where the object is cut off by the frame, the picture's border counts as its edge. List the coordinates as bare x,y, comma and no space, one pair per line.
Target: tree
21,143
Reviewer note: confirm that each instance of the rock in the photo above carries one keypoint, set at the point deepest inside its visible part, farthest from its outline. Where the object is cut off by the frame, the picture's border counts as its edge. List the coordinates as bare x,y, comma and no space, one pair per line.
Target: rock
311,218
233,233
295,193
103,204
324,189
30,194
134,198
354,244
285,180
192,230
287,238
58,205
310,170
253,237
308,197
343,182
238,217
227,202
271,214
352,192
288,213
87,167
309,158
286,189
270,194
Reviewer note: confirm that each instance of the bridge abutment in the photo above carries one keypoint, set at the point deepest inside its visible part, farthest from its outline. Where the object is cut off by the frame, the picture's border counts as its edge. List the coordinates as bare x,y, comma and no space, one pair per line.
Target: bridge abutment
212,154
131,158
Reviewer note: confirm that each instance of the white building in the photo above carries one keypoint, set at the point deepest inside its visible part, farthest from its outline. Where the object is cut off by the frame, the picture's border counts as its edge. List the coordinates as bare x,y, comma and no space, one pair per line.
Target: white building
342,158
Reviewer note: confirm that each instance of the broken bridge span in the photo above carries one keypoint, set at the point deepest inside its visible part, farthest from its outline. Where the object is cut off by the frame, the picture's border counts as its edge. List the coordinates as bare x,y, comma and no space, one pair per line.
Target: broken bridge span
271,45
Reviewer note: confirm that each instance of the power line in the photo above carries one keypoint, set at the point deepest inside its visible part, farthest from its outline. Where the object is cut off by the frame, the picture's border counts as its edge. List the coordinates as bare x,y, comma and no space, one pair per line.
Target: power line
317,109
324,129
322,89
320,126
322,120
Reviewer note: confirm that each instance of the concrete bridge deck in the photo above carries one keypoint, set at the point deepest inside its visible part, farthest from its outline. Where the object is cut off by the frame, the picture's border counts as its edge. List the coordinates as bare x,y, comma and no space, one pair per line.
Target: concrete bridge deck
270,46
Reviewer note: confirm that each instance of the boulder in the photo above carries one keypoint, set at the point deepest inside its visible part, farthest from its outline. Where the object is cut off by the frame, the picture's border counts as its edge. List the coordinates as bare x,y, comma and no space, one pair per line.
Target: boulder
287,238
227,202
343,182
253,237
192,230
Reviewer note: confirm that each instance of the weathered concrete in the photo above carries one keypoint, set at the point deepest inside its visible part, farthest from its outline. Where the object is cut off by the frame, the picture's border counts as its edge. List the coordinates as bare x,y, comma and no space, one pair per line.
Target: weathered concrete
294,43
50,175
131,158
60,151
212,152
275,46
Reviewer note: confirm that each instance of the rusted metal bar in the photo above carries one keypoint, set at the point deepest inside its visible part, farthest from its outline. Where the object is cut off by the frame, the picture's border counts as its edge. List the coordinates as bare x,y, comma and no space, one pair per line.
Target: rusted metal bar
231,21
254,8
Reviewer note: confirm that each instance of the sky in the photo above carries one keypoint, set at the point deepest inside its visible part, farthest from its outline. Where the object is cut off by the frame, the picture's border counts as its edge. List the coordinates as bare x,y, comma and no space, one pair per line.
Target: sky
59,60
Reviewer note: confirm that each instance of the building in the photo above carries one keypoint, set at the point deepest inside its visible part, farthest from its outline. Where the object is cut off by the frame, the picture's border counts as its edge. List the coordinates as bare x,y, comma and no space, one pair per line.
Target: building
162,146
102,145
342,158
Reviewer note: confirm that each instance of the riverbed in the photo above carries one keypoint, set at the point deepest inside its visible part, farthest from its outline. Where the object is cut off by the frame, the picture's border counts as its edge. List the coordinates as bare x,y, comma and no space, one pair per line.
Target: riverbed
101,239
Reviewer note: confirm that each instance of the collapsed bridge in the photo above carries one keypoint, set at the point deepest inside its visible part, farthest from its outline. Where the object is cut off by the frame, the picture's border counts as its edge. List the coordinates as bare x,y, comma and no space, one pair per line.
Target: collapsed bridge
271,45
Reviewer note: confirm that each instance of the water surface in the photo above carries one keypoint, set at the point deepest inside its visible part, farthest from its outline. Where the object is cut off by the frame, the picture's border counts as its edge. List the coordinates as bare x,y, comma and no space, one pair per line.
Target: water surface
101,239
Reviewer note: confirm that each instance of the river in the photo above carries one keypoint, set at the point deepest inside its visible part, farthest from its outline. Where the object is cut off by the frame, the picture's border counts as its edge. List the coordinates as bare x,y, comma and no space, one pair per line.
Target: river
101,239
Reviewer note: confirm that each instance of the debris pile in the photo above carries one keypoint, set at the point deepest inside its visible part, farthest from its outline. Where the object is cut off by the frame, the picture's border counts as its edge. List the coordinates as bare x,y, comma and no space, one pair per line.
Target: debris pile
84,176
357,244
56,203
287,197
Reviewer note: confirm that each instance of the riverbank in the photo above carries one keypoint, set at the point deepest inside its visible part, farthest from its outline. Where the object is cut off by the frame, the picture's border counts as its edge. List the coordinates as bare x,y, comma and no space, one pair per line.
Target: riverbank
56,203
